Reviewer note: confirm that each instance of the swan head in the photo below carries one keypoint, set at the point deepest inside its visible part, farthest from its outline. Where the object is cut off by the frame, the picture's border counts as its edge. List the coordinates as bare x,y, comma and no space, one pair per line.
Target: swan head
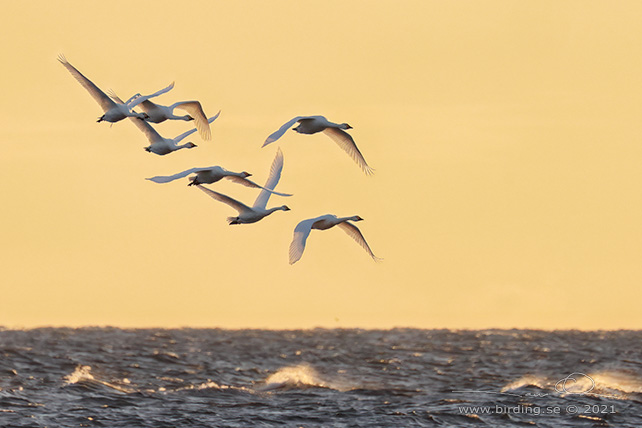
285,208
245,174
190,145
356,218
187,117
346,126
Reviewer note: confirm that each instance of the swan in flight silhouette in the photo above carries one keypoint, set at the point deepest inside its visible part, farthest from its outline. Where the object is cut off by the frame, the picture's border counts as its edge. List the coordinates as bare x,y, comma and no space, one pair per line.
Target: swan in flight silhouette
258,211
211,175
159,145
114,111
157,113
314,124
303,229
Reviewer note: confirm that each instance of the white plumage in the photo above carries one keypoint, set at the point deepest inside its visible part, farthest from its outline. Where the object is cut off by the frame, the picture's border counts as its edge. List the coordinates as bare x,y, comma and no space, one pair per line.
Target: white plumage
114,111
259,210
303,229
314,124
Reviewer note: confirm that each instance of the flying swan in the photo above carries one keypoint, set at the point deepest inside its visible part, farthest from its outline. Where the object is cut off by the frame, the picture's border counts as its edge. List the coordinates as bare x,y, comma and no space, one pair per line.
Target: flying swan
114,111
303,229
314,124
159,145
157,113
211,175
258,211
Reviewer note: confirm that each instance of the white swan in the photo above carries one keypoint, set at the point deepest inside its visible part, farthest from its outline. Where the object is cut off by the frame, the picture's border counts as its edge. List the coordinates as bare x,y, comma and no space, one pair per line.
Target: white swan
159,145
157,113
303,229
114,111
314,124
258,210
211,175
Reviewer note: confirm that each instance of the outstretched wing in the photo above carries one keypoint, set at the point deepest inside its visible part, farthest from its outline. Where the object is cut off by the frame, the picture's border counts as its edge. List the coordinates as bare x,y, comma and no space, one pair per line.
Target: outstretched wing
279,133
345,141
238,206
101,98
356,234
272,181
301,233
147,129
249,183
138,98
195,109
168,178
191,131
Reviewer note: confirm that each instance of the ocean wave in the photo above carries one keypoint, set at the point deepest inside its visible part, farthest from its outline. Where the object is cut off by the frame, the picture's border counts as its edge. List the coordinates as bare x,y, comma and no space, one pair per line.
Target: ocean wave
301,376
82,376
611,383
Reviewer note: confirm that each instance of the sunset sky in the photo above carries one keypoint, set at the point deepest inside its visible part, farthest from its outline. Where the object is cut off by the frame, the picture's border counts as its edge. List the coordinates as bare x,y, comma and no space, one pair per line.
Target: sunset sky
506,138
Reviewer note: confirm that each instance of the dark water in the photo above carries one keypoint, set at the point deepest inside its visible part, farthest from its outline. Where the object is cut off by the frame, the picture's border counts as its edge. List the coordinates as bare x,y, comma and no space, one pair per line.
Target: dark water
107,377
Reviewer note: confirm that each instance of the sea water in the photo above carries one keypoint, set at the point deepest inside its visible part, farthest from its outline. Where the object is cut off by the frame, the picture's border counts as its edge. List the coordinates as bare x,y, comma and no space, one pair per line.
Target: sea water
109,377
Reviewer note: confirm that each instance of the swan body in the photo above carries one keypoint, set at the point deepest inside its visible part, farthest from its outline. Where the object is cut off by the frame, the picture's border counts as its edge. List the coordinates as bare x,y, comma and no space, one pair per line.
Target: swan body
324,222
257,211
162,146
336,131
114,111
211,175
157,113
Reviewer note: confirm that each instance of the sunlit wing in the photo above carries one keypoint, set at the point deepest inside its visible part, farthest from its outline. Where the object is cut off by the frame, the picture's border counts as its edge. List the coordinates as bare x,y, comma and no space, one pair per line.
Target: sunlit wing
356,234
147,129
137,99
195,109
301,233
272,181
238,206
101,98
345,141
249,183
191,131
168,178
279,133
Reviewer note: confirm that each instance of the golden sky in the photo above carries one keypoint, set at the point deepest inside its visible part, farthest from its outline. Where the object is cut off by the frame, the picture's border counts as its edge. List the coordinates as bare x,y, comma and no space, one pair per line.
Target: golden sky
506,138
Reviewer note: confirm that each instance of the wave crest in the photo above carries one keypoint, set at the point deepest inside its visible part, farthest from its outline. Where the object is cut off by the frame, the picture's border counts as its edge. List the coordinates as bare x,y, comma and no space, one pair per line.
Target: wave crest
300,376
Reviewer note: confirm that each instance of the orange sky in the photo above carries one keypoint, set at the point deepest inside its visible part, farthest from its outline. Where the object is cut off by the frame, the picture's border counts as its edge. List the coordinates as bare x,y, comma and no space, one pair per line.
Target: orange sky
505,136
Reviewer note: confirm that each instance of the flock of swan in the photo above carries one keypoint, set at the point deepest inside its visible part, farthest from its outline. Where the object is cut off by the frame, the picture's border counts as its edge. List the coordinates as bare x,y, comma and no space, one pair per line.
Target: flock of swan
116,110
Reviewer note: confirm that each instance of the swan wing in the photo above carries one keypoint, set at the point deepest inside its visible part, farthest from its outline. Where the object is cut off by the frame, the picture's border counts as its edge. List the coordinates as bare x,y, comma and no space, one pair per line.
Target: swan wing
238,206
270,184
356,234
103,100
191,131
279,133
168,178
138,98
301,233
195,109
345,141
147,129
249,183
